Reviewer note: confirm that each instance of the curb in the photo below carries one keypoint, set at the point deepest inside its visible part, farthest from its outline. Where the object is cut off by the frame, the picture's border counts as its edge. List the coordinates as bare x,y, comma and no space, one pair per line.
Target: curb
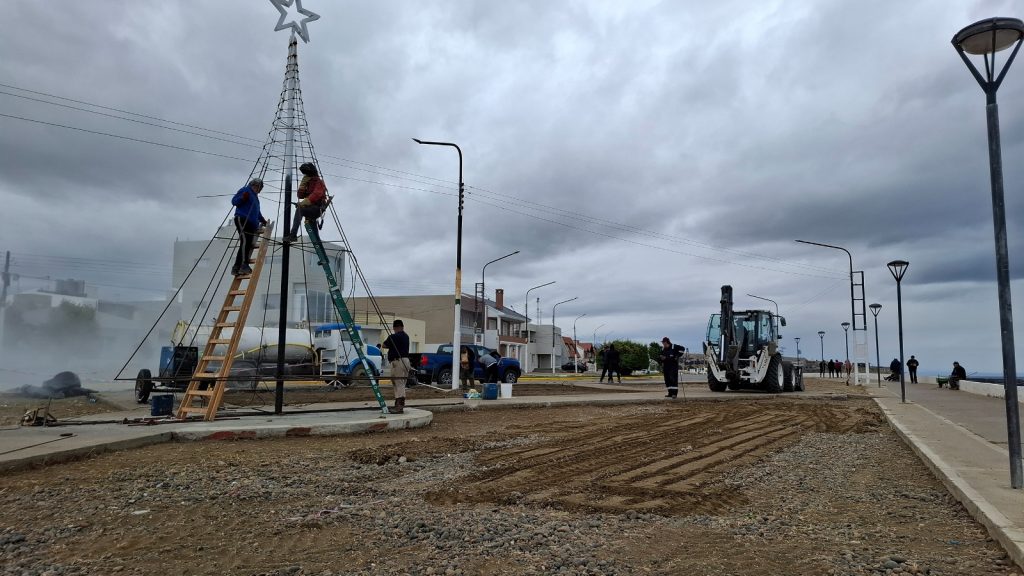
413,418
1009,536
83,452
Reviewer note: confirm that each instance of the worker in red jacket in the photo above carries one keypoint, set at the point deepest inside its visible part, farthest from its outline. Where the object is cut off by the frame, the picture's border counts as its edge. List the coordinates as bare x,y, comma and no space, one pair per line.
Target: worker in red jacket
312,193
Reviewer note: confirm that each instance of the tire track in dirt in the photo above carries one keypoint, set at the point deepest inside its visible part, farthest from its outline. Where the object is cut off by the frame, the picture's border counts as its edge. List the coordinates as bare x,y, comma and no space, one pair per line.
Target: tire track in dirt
664,462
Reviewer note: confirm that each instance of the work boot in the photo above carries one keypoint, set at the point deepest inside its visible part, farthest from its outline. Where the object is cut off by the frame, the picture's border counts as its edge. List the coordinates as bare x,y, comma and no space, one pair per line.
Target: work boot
234,270
245,270
399,407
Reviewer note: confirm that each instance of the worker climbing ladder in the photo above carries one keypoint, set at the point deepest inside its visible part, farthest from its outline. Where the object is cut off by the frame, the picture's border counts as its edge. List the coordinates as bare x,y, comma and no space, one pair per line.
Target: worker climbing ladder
205,391
346,317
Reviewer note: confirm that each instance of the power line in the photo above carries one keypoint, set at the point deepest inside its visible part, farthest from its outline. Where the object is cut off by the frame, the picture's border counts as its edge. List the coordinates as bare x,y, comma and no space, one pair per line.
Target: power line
526,204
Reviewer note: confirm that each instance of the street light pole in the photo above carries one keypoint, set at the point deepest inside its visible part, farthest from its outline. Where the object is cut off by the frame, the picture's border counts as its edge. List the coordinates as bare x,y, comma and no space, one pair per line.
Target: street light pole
576,344
898,269
457,337
776,311
483,288
821,336
526,369
797,349
846,332
987,37
594,342
875,308
553,308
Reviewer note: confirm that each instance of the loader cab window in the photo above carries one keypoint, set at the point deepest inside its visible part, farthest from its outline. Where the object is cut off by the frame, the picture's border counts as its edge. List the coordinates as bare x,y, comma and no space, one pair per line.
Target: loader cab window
746,333
714,335
765,332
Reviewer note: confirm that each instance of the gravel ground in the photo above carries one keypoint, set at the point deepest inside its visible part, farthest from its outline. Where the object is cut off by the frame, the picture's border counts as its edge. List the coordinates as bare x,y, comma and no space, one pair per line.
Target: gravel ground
771,487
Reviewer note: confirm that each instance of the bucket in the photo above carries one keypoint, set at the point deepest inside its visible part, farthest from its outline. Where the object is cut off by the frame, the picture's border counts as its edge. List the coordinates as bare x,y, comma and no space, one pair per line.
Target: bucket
506,390
161,405
490,391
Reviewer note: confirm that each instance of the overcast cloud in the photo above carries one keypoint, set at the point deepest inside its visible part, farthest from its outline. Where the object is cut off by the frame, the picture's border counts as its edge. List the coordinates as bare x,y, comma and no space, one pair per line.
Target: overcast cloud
641,154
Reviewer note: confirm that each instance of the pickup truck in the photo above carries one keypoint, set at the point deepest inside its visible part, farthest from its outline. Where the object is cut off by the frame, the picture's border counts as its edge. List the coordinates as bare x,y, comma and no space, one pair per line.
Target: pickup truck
436,367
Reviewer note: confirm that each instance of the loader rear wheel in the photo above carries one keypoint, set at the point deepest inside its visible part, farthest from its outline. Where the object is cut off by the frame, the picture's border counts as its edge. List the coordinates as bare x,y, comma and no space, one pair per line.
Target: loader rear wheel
715,384
774,378
143,386
787,374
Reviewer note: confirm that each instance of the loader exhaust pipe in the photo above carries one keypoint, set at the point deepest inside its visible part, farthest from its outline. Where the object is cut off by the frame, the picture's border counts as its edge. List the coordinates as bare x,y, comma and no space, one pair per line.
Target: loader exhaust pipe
727,337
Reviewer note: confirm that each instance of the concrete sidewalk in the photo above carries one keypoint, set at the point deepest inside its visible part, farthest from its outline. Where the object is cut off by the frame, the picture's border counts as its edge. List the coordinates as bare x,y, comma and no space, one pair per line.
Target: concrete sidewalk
962,438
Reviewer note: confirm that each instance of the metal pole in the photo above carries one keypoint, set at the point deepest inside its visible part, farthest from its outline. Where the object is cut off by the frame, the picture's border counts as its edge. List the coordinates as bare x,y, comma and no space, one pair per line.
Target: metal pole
878,360
1003,281
457,336
990,84
291,72
899,313
553,309
526,370
576,344
797,349
483,289
821,336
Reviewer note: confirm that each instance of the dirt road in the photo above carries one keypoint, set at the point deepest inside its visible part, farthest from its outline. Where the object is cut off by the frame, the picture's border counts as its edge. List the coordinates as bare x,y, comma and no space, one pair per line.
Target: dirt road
769,487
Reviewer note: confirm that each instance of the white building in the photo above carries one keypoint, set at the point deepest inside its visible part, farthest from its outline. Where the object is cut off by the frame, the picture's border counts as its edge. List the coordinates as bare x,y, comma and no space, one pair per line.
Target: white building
540,347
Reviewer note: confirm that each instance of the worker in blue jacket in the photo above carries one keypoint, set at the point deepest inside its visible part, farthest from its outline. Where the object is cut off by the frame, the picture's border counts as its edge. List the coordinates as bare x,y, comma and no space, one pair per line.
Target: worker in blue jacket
248,220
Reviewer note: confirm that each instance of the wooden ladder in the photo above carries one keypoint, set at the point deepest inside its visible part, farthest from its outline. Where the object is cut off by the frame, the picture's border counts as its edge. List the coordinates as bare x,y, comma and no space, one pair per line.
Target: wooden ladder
205,391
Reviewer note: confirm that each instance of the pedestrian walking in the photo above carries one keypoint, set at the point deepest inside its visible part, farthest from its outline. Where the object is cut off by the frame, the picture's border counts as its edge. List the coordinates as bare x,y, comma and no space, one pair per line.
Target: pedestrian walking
398,358
668,357
831,368
912,368
821,369
248,219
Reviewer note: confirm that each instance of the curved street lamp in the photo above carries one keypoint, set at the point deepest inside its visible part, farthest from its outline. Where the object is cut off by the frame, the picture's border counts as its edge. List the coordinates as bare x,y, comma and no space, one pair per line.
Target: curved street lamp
776,311
846,331
457,337
985,38
821,336
483,288
553,308
898,268
576,344
526,370
875,308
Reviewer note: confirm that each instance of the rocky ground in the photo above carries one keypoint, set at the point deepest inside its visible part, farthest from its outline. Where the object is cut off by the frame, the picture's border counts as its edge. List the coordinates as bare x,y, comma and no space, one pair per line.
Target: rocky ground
774,486
13,407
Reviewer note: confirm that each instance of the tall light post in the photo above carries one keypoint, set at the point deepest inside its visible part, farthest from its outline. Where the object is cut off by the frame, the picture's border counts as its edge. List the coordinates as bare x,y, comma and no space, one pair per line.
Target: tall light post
526,369
594,341
457,337
576,343
776,310
875,309
985,38
483,288
821,336
846,332
853,310
898,269
553,308
797,349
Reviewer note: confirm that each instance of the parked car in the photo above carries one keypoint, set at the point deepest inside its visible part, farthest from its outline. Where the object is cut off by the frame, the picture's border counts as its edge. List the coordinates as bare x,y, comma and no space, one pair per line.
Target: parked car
570,366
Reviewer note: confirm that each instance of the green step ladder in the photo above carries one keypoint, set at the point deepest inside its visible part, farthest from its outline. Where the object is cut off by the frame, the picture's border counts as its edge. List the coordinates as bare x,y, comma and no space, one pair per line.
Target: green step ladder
343,313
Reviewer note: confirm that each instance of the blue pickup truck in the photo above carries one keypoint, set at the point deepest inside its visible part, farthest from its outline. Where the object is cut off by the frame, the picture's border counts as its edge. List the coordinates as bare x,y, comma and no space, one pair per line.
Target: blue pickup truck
437,367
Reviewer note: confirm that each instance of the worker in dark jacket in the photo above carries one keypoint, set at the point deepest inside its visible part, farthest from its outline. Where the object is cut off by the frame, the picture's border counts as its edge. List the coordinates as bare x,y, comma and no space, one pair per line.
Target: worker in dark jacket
248,219
669,360
312,193
398,358
956,376
612,359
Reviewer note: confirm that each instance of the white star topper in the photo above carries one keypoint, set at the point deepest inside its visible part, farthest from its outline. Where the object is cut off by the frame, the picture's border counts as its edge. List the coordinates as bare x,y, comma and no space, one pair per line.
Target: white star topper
297,27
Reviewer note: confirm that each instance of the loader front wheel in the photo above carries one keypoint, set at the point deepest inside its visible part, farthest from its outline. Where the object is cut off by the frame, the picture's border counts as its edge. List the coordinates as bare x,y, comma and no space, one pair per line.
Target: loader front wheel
774,379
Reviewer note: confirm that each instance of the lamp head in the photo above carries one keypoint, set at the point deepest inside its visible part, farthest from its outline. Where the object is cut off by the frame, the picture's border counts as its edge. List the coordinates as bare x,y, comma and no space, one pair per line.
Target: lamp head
898,269
875,308
846,326
821,333
417,140
989,35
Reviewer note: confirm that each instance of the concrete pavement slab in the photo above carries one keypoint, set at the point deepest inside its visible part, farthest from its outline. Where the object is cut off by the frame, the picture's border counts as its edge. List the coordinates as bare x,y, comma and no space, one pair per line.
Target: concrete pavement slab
965,455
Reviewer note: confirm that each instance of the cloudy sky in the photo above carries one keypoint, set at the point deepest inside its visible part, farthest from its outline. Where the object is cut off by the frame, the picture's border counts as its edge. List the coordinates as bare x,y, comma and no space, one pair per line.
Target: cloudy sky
640,154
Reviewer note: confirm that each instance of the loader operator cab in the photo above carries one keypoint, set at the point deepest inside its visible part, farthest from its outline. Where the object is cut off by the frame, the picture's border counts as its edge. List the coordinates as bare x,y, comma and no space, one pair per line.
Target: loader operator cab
752,330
